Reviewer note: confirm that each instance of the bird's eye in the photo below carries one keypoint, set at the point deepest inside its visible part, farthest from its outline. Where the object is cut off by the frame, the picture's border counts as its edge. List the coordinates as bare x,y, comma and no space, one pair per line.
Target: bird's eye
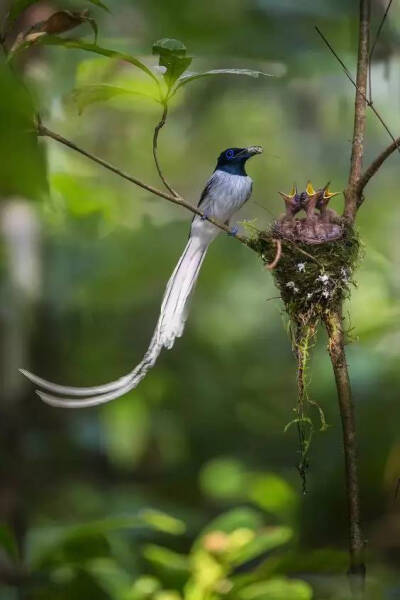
229,154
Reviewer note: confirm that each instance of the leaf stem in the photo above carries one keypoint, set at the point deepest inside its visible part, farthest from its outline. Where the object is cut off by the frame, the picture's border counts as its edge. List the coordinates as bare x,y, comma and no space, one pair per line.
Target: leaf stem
157,129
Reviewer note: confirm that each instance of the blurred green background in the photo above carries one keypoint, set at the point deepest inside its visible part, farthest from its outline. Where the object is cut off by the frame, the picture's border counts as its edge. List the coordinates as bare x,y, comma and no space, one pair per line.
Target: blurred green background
108,502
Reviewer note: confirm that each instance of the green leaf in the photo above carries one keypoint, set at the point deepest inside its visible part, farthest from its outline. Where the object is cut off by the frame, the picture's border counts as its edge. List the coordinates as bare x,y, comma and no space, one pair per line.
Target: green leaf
277,589
247,72
267,540
143,588
224,479
175,65
8,542
162,522
172,568
272,493
79,45
164,559
237,518
100,4
113,579
92,94
173,57
169,46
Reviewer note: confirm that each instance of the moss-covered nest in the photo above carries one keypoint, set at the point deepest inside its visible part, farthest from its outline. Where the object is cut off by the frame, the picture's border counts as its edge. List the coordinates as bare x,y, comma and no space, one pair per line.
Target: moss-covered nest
311,278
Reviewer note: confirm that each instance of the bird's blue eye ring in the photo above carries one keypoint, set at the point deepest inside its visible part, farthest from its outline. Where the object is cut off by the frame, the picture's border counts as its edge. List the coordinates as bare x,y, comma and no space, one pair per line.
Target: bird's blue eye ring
229,154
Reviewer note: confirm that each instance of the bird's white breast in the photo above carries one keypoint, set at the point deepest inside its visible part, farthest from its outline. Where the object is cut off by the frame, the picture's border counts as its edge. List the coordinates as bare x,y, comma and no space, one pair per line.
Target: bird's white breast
225,194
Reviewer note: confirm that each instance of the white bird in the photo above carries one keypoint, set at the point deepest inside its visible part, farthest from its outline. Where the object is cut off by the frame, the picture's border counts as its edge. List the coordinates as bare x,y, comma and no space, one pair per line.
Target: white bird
228,188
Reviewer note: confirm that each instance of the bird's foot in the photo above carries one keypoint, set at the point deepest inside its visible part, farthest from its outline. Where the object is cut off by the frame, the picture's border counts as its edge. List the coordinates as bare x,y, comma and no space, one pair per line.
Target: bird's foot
206,215
234,231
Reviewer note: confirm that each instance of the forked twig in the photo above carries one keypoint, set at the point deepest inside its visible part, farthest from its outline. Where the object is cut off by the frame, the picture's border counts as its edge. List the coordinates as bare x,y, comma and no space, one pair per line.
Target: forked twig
375,165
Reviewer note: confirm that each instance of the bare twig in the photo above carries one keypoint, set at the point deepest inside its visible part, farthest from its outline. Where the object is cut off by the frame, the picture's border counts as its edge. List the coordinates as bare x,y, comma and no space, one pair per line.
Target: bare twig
278,255
157,129
44,131
357,150
371,54
334,326
375,166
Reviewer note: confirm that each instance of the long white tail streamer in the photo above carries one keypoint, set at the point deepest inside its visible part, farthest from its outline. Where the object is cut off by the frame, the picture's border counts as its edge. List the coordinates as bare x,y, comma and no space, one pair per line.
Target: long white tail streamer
170,325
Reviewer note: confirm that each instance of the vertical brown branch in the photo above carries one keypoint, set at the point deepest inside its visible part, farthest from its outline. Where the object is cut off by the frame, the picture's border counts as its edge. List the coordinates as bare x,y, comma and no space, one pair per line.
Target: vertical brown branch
334,319
357,150
334,326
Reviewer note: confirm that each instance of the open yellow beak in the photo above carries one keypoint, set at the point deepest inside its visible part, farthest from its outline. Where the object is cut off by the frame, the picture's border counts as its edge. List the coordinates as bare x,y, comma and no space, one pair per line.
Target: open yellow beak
291,194
309,189
328,195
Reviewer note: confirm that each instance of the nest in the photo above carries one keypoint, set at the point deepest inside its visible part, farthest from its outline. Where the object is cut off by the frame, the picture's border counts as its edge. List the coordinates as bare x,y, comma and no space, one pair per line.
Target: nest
312,277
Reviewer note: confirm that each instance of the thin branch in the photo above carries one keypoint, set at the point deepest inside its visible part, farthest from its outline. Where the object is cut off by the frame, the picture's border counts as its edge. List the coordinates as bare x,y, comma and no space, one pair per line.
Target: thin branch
371,54
362,93
376,165
157,129
334,326
278,255
357,150
44,131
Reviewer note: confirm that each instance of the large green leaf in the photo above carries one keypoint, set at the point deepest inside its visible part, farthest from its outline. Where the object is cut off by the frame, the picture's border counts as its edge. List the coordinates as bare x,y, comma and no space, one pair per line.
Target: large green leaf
92,94
79,45
184,79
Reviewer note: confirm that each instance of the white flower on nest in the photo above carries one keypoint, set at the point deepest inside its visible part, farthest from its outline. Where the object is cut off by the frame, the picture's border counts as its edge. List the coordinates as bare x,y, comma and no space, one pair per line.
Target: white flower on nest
324,278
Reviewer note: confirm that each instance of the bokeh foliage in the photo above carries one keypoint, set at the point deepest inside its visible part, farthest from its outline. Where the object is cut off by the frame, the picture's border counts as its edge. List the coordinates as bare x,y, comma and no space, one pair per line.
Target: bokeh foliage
202,437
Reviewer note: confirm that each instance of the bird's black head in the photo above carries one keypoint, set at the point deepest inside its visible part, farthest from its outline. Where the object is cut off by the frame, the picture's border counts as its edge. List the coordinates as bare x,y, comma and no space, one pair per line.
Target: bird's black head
233,160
